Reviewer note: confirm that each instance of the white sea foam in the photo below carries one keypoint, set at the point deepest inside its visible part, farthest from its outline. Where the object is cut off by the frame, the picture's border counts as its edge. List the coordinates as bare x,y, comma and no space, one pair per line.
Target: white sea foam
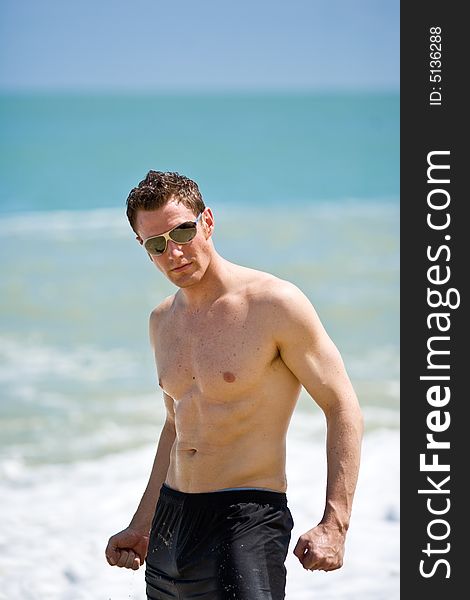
336,214
57,519
28,360
50,224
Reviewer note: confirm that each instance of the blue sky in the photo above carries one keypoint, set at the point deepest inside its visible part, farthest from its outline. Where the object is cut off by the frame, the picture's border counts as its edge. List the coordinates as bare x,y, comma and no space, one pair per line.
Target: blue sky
199,44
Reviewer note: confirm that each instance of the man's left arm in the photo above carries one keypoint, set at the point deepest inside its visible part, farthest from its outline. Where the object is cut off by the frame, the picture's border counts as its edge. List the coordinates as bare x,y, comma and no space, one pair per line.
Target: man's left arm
310,354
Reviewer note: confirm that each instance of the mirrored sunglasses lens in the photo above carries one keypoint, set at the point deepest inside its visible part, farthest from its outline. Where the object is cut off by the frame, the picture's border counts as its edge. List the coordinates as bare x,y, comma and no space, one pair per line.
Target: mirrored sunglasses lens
184,233
156,245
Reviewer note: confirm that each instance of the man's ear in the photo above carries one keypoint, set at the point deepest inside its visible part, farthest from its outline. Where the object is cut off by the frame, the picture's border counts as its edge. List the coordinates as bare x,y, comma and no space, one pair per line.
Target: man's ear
208,221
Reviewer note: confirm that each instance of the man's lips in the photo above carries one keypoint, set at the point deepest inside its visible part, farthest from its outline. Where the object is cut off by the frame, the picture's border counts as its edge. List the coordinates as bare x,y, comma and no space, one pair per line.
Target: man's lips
180,268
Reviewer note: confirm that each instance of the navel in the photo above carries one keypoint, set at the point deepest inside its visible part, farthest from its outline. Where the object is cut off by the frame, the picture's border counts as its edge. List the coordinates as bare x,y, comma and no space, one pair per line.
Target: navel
229,377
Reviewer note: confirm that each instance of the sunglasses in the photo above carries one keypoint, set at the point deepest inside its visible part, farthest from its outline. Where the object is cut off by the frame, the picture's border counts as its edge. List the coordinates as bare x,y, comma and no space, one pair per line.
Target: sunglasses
182,234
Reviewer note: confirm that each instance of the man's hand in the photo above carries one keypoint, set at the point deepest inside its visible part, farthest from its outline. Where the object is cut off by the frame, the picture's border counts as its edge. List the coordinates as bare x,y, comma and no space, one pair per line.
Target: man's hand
321,549
128,549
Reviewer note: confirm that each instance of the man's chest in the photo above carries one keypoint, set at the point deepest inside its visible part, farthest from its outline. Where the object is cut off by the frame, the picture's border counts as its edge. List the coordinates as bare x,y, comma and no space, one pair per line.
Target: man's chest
217,356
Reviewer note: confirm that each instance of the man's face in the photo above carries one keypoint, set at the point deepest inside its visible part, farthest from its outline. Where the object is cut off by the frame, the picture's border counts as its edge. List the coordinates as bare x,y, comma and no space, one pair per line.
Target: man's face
182,264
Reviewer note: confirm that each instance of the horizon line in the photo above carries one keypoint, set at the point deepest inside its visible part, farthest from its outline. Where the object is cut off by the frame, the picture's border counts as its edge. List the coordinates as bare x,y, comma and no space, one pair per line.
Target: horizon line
167,91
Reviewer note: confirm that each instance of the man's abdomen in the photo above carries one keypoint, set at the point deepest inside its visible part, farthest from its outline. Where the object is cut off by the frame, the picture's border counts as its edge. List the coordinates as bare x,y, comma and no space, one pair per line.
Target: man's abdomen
246,462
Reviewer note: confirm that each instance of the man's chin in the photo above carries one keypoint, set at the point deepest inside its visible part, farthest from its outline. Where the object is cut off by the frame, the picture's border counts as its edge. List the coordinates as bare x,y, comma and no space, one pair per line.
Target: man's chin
183,280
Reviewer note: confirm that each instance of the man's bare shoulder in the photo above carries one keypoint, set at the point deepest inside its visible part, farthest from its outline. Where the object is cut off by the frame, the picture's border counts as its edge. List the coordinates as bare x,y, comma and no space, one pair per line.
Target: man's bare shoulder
162,310
280,303
264,287
157,317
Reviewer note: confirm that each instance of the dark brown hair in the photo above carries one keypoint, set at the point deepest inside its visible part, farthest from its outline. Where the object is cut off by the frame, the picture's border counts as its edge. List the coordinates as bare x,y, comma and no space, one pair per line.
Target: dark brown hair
158,188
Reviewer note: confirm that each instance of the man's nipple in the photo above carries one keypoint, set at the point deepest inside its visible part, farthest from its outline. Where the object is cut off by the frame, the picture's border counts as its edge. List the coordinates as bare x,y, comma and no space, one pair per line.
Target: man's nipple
229,377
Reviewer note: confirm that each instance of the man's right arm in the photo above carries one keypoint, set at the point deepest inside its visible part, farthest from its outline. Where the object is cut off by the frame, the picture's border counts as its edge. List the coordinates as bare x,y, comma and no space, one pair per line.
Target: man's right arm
142,519
128,548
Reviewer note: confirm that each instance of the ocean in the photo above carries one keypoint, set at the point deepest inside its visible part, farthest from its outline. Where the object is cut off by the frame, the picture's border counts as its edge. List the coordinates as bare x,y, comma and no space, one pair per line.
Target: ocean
304,186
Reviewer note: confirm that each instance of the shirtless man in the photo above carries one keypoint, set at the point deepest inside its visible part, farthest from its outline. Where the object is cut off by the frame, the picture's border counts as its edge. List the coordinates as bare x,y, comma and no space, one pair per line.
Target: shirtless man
232,346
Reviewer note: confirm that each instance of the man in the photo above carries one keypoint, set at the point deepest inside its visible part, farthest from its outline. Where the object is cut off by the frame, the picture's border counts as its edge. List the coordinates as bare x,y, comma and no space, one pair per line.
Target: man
232,346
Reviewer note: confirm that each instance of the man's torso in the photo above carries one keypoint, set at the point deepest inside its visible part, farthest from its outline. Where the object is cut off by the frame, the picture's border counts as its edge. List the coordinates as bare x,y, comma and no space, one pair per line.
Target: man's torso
233,395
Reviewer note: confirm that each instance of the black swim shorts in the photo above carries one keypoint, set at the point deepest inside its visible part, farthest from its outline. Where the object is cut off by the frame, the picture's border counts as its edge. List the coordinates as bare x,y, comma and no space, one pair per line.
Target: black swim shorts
224,545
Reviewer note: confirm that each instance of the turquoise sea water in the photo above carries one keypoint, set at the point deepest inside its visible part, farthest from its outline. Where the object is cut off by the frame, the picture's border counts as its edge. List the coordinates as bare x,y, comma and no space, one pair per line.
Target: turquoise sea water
85,151
303,186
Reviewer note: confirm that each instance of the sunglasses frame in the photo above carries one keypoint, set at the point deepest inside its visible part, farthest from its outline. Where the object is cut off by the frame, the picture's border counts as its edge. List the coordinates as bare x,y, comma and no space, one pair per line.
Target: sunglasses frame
167,236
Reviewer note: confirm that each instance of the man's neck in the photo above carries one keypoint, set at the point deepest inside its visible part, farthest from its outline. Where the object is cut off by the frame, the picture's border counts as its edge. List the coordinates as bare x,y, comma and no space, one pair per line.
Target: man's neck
216,282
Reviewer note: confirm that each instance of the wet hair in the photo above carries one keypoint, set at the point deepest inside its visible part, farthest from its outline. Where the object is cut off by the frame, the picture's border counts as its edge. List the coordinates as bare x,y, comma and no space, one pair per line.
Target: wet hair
158,188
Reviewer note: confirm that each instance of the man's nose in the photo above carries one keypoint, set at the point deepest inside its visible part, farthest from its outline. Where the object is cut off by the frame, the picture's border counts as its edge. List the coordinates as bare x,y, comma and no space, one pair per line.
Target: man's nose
174,249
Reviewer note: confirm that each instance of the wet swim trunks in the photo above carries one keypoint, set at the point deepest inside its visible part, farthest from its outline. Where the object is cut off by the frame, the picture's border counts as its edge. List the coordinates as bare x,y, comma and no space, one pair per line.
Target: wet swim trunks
223,545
